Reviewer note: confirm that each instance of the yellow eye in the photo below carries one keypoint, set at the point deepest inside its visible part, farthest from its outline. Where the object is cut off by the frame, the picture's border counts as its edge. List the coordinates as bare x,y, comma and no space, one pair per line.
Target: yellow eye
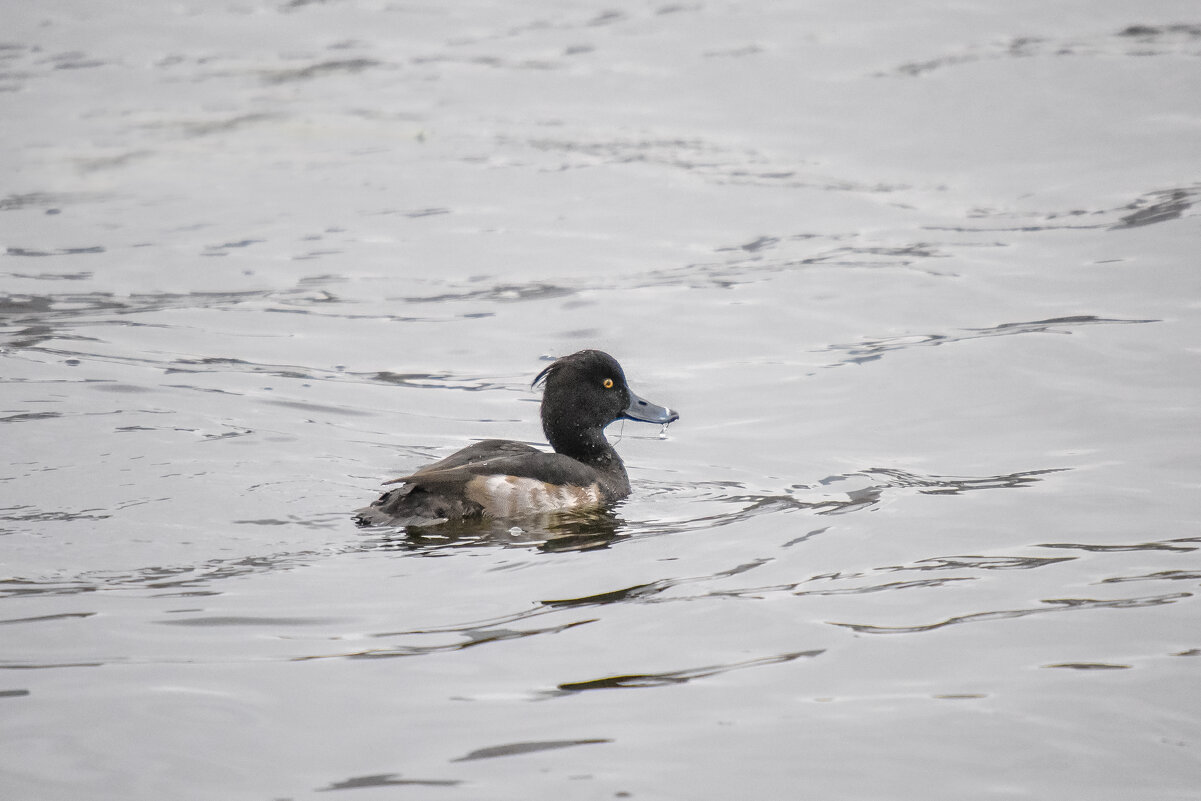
608,382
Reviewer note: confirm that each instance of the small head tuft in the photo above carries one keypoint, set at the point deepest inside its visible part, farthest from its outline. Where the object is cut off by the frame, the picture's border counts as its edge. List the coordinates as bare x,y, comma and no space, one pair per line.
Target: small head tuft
582,359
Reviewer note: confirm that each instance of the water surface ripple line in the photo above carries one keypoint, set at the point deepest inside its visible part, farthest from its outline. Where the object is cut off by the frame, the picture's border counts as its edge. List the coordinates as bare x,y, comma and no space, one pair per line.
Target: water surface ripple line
871,350
642,680
1053,605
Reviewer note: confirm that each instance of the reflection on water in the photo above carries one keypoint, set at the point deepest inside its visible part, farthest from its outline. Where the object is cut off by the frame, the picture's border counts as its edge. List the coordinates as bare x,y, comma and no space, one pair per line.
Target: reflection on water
1155,206
1132,40
561,531
1177,545
679,676
386,780
513,749
1056,605
468,638
872,350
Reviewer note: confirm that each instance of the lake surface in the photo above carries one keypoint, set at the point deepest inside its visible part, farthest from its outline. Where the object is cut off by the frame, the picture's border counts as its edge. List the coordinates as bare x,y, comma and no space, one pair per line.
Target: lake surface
922,280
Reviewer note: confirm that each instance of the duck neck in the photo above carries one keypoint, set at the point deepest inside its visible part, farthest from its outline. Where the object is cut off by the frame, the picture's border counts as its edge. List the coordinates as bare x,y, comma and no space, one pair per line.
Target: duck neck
587,446
591,448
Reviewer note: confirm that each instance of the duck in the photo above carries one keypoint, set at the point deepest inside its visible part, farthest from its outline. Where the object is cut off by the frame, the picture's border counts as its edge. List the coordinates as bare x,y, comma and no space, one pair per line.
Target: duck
504,479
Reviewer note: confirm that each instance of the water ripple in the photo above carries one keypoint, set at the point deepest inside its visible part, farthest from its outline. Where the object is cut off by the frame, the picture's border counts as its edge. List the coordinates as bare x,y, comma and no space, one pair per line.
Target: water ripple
1162,575
631,680
515,749
1158,545
468,638
982,563
158,577
320,69
707,160
1134,40
865,489
386,780
870,350
1055,605
1089,666
1153,206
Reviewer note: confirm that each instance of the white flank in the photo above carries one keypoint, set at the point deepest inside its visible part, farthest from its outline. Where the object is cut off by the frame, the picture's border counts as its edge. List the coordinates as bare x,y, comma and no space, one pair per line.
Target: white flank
509,496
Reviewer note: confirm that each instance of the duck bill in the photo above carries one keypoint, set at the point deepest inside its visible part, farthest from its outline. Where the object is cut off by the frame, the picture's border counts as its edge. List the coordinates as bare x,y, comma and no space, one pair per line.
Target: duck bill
648,412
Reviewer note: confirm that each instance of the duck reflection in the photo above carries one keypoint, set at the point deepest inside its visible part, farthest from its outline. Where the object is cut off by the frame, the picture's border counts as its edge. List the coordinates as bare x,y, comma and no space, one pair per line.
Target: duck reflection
571,530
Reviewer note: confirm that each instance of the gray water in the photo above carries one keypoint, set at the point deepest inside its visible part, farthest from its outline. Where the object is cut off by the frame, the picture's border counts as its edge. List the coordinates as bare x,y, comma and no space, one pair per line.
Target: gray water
921,278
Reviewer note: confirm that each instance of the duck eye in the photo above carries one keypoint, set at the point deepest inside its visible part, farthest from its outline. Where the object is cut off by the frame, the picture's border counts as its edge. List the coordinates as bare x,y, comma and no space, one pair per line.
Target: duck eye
608,382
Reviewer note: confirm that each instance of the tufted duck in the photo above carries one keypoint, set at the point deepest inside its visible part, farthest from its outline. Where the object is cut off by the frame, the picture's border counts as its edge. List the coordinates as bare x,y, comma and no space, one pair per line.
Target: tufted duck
504,479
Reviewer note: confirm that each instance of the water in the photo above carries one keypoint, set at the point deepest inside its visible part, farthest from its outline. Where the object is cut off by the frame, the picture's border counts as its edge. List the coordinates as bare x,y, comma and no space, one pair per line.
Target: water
921,280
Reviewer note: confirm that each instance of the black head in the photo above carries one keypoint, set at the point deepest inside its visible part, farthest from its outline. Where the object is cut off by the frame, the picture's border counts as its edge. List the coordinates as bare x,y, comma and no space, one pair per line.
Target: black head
584,393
